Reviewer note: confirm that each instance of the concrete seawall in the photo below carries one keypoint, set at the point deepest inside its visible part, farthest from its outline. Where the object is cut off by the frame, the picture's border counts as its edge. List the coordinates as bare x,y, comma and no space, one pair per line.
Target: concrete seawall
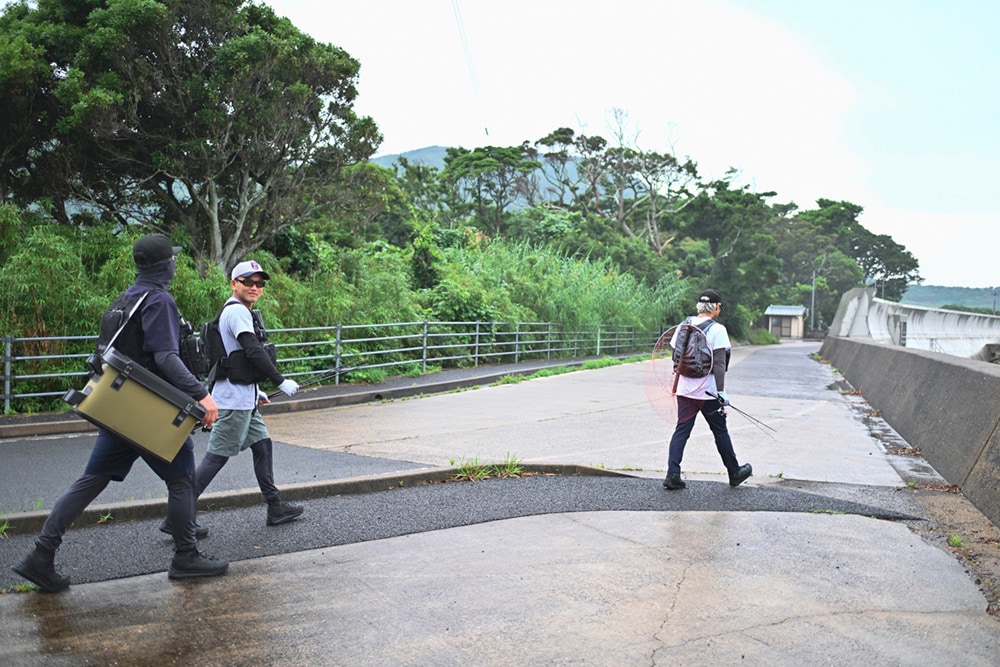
946,406
862,315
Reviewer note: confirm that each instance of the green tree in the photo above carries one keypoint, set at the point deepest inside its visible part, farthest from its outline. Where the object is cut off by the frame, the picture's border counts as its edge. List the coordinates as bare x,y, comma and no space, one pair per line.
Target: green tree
26,104
745,264
646,187
422,184
218,121
814,272
884,263
592,168
491,177
558,168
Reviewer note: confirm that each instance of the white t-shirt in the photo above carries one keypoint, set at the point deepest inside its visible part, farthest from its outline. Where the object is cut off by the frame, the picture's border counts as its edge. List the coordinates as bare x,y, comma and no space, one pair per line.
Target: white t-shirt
228,396
718,339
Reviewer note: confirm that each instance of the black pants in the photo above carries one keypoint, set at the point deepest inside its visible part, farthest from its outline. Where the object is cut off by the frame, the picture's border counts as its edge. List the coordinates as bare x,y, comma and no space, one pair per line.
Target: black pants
112,459
263,469
715,415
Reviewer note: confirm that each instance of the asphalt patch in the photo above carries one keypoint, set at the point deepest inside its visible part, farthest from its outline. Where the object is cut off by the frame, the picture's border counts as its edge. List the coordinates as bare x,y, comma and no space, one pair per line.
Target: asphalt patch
116,550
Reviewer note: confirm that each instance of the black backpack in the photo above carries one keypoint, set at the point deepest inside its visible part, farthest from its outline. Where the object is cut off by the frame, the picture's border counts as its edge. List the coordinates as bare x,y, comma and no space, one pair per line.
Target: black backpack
193,351
692,354
235,367
215,359
121,331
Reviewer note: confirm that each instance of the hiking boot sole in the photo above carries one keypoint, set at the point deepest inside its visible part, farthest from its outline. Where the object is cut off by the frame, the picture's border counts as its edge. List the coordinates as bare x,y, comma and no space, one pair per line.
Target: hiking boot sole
196,574
284,518
43,586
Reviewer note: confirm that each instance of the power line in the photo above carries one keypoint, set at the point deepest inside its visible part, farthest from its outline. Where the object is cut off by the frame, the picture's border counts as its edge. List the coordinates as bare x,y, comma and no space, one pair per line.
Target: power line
469,62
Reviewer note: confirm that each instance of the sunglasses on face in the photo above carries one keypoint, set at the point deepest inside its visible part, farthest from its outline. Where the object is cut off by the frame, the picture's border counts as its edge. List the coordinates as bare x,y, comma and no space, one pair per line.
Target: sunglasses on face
252,283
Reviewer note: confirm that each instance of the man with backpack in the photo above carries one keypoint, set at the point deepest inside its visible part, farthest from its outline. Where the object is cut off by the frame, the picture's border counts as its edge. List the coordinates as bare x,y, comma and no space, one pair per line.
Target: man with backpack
153,341
701,356
246,360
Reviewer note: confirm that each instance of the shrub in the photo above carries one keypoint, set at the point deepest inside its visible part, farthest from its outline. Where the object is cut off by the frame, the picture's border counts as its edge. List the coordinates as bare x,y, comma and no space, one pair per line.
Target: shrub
763,337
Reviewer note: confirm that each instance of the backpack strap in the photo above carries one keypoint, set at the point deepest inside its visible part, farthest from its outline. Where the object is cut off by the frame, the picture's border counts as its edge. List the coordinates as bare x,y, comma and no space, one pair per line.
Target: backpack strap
214,371
704,325
128,317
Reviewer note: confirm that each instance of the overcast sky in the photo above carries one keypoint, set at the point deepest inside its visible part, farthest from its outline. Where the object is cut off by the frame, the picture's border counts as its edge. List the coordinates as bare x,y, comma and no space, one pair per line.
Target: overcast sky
893,105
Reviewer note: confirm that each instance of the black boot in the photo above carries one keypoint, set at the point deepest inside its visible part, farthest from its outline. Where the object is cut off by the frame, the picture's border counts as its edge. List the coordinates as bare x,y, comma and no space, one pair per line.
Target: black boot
280,512
200,532
37,567
741,475
673,482
191,564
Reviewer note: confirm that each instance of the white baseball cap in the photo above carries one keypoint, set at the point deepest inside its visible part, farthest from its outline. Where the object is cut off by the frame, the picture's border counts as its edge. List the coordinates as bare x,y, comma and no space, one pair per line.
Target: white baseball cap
248,268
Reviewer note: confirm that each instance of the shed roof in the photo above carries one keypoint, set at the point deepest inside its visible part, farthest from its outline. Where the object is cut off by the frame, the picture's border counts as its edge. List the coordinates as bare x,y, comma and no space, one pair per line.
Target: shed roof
786,311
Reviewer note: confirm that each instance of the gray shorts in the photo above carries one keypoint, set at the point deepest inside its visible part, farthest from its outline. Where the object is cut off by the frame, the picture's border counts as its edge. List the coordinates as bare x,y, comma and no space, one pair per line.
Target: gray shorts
236,430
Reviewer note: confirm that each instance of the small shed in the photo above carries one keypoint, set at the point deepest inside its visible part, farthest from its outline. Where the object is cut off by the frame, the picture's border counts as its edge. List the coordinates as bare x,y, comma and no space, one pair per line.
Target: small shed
786,321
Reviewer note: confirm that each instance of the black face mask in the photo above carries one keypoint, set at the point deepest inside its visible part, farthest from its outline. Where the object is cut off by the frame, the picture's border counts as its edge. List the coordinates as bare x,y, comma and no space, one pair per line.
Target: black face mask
159,274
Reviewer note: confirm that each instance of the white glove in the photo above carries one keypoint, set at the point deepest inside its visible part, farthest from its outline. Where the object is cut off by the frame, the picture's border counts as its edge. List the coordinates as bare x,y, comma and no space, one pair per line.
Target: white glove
289,387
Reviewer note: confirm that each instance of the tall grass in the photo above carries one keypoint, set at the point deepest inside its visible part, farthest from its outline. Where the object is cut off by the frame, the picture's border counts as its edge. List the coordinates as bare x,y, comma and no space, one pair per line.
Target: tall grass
58,280
547,285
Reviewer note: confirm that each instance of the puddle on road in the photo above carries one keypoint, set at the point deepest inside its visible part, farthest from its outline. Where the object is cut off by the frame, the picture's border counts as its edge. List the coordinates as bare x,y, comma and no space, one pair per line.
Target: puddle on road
906,460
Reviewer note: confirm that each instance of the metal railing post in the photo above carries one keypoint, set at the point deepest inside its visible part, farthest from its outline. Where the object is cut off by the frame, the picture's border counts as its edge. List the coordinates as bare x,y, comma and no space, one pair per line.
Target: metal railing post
517,341
598,340
423,362
336,355
475,354
7,348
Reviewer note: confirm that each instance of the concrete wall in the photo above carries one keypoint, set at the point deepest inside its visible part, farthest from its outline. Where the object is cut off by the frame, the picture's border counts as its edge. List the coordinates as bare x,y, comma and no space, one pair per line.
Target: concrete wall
861,314
946,406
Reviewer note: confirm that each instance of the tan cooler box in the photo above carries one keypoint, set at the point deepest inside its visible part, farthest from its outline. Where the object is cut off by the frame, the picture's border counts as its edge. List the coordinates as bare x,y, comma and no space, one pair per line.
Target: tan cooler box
135,404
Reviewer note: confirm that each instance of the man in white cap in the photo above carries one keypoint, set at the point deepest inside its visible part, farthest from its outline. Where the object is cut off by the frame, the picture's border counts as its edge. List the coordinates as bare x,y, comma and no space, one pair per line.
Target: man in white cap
236,392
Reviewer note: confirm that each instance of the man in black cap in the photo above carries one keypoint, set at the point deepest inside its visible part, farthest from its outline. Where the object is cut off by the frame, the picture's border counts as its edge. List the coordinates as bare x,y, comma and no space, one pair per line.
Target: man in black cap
706,395
155,344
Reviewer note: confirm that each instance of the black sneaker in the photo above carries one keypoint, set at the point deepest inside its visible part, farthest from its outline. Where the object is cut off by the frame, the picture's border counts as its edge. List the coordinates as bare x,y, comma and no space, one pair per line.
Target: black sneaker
741,475
39,570
282,512
200,532
191,564
674,482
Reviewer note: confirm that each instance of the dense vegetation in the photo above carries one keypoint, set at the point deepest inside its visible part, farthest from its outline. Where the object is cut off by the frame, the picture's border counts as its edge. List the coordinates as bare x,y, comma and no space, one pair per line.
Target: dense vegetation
974,299
232,131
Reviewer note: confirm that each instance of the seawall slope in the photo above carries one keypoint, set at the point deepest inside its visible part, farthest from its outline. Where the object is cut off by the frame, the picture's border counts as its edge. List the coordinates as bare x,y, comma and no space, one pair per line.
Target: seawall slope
946,406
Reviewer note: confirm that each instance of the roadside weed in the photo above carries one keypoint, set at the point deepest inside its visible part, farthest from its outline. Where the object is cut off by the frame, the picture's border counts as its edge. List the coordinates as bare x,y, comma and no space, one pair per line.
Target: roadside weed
471,470
509,467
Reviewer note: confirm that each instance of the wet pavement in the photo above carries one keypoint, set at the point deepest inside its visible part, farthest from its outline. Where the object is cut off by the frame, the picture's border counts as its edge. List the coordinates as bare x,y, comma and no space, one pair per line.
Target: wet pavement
814,560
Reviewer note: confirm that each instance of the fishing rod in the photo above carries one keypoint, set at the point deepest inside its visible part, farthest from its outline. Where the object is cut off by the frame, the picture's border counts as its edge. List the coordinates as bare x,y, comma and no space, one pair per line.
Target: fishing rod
758,423
317,378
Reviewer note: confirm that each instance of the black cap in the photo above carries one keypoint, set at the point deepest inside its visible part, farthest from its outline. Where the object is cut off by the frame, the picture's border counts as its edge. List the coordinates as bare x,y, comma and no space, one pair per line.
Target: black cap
153,249
710,296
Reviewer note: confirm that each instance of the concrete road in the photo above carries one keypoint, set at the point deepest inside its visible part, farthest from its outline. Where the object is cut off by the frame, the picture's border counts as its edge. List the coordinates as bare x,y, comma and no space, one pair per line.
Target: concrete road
813,561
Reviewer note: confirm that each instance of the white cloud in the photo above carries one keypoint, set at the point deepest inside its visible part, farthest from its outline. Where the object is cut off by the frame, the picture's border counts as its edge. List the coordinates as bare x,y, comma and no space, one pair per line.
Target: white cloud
711,79
951,247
